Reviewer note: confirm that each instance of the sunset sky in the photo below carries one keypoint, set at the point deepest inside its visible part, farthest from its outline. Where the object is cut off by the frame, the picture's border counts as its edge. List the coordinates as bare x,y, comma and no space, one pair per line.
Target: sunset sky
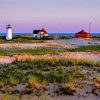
53,15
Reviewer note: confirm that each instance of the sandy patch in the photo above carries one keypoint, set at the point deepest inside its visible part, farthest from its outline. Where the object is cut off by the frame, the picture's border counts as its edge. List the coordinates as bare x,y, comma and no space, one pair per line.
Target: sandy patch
81,55
21,46
33,45
5,59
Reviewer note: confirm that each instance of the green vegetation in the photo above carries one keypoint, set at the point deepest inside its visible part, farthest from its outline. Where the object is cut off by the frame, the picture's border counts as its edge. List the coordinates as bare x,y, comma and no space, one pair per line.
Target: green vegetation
13,72
30,39
86,48
59,37
44,70
37,51
43,51
9,97
22,39
36,74
96,37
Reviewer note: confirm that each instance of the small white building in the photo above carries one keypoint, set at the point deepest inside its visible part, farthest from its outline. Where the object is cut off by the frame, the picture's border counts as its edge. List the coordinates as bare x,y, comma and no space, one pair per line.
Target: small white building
40,33
9,32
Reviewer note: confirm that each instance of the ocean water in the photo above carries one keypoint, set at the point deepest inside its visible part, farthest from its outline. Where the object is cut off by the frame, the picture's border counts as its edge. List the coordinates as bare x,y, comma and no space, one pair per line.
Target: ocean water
51,34
70,34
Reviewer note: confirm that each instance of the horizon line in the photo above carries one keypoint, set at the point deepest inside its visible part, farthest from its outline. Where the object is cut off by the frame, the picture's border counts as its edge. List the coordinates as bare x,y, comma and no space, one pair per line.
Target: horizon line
48,32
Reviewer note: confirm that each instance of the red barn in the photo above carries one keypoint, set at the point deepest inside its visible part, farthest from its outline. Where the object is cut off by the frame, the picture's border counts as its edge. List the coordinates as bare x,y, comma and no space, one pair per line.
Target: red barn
82,34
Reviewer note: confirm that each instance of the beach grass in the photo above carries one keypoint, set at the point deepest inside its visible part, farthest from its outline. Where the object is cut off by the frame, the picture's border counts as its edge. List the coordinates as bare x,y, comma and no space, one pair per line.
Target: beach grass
48,50
88,48
36,51
9,97
36,71
49,70
22,39
50,62
37,74
96,37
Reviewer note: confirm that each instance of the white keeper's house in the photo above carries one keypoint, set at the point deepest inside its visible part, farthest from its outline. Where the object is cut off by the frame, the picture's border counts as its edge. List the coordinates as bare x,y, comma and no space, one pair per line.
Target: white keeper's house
40,33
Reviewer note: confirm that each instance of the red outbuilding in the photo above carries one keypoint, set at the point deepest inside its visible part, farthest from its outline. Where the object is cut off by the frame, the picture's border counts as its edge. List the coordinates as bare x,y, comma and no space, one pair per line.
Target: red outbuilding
82,34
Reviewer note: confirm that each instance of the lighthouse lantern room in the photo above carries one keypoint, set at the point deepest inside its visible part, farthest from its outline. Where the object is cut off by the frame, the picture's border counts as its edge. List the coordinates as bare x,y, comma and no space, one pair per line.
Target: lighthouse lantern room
9,32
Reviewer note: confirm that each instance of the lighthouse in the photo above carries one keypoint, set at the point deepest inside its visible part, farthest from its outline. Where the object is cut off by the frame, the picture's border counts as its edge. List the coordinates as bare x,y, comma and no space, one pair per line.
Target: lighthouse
9,32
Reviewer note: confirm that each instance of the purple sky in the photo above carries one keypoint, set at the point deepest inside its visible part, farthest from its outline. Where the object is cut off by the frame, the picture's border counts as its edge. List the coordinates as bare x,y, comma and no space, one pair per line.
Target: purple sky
53,15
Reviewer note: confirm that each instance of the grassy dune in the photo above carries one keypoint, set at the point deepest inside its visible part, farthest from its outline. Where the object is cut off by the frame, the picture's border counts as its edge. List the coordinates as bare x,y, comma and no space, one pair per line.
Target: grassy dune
47,70
37,51
42,51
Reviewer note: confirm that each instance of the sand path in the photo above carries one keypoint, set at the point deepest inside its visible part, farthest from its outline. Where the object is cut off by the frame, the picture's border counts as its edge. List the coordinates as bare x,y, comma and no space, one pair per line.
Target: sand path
21,45
33,45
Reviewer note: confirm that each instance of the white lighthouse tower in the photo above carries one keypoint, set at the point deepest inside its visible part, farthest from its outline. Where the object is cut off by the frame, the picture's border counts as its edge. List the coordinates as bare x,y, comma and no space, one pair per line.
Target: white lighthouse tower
9,32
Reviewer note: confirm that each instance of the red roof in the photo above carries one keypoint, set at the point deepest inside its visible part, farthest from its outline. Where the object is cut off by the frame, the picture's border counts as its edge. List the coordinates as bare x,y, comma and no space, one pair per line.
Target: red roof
82,32
43,30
